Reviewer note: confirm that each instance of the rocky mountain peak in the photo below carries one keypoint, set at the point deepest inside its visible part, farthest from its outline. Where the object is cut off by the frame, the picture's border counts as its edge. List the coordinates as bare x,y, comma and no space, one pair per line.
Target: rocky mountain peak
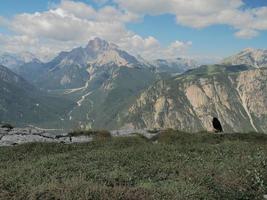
249,56
98,45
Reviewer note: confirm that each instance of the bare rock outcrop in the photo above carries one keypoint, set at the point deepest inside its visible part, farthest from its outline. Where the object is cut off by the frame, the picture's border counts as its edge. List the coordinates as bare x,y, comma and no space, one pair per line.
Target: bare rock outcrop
31,134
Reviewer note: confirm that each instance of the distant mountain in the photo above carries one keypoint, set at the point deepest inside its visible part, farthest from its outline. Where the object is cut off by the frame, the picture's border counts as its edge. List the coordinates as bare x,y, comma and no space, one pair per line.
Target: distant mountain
69,69
72,69
22,103
101,78
31,71
11,60
253,57
235,94
178,65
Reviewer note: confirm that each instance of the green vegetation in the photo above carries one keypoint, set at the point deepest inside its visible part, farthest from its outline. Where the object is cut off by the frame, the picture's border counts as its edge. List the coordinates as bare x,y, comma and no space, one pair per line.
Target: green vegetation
6,125
153,131
96,134
178,166
206,71
22,104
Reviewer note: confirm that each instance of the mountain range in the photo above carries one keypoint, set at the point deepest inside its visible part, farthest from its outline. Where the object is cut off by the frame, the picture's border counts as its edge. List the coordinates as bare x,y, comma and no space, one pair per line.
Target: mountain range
175,66
103,86
12,60
73,69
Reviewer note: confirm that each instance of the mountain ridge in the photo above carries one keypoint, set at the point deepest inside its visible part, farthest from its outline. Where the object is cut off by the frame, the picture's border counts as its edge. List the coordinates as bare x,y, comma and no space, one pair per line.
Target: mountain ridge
12,60
249,56
190,101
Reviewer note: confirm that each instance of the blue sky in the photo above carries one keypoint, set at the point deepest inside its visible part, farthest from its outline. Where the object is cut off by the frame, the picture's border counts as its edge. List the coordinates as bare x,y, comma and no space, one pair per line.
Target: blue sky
214,39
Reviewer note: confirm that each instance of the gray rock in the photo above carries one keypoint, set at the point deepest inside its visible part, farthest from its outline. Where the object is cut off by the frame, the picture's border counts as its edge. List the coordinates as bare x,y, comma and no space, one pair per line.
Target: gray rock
31,134
131,132
81,139
20,139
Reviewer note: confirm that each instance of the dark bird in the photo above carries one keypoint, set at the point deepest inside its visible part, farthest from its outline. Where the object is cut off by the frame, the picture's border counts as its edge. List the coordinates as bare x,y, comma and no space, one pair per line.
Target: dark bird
217,125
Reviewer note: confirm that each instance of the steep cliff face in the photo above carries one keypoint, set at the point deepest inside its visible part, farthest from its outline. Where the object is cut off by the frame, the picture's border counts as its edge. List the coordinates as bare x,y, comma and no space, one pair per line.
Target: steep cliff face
252,88
237,96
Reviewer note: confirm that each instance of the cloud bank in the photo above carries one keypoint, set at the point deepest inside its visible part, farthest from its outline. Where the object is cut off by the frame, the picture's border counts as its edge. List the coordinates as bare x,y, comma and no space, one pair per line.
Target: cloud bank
72,23
203,13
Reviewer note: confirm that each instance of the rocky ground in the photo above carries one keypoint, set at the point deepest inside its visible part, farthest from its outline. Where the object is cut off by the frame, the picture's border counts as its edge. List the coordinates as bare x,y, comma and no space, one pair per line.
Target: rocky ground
15,136
31,134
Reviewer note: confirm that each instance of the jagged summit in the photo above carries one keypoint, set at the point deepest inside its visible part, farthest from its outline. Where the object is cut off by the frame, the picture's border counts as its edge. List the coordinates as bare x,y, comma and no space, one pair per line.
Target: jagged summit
72,69
249,56
96,52
12,60
98,44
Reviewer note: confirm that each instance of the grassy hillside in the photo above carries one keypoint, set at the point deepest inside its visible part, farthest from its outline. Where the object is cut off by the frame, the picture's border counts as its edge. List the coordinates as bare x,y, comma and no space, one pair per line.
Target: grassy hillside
178,166
23,104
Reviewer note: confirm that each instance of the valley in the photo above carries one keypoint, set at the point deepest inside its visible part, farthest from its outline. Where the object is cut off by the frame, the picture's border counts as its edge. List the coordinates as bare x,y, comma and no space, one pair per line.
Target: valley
100,86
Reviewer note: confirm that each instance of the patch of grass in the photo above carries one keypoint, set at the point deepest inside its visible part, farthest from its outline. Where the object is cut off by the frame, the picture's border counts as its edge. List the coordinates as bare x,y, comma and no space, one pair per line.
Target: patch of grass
97,133
142,137
179,166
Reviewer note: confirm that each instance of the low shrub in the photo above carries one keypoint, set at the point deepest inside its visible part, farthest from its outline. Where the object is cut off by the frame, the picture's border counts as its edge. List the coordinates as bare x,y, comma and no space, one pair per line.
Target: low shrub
153,131
77,133
96,134
8,126
101,135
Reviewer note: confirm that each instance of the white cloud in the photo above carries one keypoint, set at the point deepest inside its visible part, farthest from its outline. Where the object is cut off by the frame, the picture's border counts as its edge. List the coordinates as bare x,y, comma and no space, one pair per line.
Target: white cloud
150,47
71,24
3,21
78,9
246,33
174,50
184,7
203,13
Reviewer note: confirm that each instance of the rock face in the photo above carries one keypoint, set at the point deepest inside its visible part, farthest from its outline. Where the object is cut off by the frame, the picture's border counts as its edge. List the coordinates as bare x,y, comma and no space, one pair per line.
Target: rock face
253,57
31,134
234,94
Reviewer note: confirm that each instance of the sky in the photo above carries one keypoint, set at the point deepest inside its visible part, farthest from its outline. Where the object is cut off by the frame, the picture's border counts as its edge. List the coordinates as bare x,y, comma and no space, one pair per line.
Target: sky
205,30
